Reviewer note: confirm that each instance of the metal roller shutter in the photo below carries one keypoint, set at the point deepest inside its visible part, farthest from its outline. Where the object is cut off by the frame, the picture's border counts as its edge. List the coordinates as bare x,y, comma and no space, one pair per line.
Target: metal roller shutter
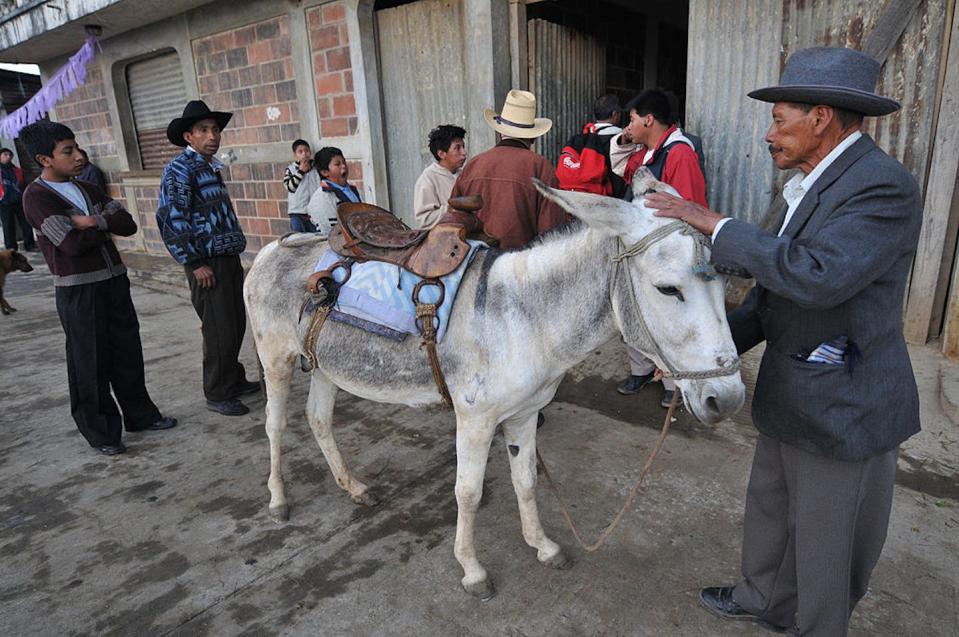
157,95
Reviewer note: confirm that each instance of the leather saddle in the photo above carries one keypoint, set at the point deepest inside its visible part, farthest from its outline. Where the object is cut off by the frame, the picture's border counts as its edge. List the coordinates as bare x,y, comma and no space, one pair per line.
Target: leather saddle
369,233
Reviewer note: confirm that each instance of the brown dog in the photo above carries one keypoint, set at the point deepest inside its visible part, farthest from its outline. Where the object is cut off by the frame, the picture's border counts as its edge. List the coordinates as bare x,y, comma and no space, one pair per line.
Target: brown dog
10,261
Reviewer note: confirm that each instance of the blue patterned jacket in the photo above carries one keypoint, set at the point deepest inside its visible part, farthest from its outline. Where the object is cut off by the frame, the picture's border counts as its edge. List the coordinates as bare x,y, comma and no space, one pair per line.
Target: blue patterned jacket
195,215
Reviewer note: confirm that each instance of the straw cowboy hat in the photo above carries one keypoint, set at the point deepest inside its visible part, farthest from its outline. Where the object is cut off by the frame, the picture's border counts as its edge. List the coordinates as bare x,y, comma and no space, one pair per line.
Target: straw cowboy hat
831,76
193,113
518,118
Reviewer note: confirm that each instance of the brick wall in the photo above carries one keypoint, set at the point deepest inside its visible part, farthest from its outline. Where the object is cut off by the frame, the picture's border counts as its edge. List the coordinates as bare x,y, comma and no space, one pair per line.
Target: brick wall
87,112
330,48
249,71
333,73
259,199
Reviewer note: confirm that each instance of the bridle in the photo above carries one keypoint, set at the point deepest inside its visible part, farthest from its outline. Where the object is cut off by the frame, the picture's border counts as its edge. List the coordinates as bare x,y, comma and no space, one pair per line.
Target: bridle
701,268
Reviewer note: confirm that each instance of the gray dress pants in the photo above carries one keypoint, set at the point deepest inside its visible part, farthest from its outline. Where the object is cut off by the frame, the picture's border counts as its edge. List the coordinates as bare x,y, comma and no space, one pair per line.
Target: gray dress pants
813,531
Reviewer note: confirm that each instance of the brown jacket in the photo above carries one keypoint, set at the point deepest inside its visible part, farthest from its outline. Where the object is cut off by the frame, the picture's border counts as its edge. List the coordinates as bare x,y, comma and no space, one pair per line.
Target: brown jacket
513,210
77,257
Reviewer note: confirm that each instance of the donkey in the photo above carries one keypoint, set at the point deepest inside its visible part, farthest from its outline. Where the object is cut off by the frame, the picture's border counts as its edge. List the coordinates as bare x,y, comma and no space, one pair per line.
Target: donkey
521,320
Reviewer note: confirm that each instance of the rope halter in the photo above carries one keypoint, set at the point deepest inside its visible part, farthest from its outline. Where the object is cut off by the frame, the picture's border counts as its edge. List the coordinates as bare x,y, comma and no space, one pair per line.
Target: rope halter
701,268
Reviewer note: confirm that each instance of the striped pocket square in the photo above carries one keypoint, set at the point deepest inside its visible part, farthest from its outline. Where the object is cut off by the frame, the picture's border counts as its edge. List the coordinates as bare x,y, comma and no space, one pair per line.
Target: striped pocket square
830,353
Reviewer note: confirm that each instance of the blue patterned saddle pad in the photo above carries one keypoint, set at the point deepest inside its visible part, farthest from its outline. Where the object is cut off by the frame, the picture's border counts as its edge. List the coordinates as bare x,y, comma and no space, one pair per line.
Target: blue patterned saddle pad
382,294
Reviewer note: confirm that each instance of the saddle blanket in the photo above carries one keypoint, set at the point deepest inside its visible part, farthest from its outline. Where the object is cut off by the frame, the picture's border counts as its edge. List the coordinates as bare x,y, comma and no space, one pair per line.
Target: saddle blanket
382,293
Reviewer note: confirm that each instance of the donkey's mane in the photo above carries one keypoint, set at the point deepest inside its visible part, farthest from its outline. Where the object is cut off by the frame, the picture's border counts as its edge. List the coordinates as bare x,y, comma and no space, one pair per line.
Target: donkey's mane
558,233
527,255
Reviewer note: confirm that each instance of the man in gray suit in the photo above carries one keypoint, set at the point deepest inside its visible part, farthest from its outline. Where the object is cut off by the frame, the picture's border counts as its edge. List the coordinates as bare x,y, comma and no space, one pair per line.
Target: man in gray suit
835,395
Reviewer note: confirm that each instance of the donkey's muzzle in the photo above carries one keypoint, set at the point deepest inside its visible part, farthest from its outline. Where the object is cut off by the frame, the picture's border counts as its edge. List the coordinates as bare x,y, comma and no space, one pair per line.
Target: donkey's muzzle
715,399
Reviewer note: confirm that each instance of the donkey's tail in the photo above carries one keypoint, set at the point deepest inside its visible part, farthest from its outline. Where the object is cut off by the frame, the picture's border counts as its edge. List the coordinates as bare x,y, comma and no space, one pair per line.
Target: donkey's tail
300,239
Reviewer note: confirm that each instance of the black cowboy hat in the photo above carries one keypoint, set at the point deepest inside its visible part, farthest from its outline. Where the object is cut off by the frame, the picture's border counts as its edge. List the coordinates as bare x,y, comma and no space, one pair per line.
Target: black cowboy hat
831,76
193,113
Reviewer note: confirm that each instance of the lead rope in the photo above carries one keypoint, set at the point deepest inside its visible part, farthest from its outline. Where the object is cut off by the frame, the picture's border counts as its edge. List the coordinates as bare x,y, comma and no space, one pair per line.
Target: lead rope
589,548
703,270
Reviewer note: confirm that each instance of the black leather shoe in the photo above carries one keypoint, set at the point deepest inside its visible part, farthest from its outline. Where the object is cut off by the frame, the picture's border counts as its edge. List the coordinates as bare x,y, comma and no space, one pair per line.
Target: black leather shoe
668,399
719,601
112,450
247,387
229,407
165,422
634,383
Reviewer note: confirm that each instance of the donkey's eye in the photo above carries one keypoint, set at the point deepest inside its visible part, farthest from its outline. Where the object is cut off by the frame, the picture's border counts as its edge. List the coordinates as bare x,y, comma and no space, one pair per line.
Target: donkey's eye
671,291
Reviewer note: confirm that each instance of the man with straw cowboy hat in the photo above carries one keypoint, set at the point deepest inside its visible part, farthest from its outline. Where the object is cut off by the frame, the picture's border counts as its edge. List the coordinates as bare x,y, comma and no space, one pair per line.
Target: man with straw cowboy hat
513,210
835,395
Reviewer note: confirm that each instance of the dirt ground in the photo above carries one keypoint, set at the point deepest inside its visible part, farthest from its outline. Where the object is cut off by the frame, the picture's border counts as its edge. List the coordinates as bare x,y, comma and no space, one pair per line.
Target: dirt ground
174,538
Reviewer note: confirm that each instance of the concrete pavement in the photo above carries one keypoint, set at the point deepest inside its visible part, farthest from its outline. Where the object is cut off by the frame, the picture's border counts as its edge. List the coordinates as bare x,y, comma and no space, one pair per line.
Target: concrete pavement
173,537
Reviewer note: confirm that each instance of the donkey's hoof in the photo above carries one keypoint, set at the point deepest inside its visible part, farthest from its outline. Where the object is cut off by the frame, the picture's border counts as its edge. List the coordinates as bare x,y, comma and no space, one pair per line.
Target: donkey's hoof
366,499
280,513
560,561
484,590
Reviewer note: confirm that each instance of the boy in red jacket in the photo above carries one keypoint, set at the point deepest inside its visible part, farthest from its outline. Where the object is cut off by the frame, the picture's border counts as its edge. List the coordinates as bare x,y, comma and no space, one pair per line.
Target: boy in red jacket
652,139
74,221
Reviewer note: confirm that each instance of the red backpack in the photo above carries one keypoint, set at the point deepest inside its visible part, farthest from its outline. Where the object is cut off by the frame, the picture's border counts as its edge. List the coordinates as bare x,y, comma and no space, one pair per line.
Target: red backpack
583,165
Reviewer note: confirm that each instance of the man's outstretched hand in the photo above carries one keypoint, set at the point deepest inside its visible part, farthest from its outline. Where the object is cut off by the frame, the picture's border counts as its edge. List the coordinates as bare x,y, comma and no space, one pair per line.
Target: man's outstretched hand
699,217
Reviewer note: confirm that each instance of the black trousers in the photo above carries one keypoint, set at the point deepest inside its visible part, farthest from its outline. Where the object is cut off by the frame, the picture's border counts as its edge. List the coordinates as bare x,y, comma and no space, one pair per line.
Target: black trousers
223,323
104,353
11,216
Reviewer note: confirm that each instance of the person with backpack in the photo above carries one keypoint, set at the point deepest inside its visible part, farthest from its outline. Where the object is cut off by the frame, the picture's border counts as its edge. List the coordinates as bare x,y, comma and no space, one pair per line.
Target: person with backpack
584,164
653,140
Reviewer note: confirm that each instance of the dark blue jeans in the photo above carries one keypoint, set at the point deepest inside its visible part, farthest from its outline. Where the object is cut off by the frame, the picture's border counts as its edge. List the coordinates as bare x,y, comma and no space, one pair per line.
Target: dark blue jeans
301,223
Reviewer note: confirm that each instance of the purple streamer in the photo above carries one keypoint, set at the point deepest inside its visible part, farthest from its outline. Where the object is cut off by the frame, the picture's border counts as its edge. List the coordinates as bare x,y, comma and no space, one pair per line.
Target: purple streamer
67,79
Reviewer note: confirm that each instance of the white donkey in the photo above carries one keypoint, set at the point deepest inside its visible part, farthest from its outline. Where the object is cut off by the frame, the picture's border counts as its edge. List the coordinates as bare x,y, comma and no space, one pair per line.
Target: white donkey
521,320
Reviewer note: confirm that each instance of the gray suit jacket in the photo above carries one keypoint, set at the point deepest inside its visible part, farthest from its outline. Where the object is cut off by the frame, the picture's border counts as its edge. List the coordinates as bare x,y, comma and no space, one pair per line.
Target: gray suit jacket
839,269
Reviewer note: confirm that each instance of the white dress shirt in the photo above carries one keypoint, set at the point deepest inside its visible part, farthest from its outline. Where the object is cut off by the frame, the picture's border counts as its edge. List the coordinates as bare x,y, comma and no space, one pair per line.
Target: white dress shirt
797,187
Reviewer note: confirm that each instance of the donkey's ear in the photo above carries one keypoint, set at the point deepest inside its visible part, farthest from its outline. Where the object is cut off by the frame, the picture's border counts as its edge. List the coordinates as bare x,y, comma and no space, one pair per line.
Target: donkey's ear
644,183
597,211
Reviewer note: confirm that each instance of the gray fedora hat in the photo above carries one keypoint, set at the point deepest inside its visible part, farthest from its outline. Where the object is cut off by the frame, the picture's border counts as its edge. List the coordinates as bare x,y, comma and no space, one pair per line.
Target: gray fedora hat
832,76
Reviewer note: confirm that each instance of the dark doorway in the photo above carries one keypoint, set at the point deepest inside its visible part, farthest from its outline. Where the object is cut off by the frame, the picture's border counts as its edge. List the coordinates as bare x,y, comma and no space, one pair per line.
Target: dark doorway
644,44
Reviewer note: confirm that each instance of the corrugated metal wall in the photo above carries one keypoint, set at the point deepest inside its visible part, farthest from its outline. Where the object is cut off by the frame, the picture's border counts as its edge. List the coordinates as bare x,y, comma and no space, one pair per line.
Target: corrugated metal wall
910,75
423,79
735,47
157,95
568,72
